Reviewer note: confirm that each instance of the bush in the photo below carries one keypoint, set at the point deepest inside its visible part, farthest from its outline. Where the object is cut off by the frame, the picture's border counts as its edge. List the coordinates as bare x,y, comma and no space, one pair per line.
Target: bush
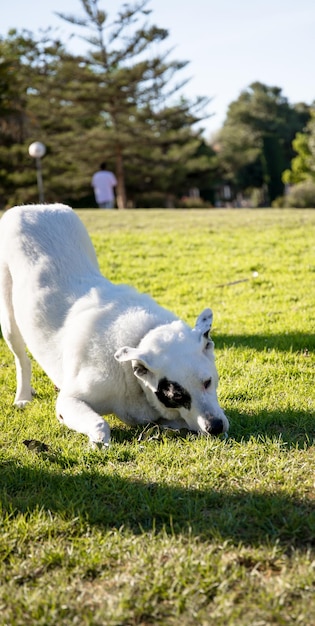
301,196
192,203
151,200
279,202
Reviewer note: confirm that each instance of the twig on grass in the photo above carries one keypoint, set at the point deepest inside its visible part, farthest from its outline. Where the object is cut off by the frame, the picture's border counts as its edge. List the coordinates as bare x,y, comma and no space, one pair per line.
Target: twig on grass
236,282
233,282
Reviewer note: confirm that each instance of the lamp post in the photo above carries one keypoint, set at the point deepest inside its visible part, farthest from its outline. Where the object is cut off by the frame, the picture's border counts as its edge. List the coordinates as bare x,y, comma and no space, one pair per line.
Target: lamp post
37,150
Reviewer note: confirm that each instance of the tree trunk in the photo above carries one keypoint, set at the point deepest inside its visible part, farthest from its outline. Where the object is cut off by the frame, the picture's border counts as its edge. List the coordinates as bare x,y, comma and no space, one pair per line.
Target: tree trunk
121,191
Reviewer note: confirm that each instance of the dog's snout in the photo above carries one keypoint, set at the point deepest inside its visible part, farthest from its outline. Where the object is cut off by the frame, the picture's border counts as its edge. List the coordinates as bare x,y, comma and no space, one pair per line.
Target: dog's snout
215,426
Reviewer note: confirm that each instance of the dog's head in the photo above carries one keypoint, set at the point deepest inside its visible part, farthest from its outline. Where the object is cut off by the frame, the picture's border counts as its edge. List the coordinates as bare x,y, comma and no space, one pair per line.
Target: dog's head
176,368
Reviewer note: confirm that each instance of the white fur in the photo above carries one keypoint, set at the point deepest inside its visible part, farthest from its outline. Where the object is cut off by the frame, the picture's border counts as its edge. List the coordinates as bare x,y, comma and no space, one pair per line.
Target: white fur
108,348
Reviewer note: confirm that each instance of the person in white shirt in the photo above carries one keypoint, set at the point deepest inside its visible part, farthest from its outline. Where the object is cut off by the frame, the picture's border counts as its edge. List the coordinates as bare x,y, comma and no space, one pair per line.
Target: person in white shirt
104,183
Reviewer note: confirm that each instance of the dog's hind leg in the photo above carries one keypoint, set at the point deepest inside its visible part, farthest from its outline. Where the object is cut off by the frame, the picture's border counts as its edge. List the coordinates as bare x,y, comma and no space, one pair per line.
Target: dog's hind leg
14,340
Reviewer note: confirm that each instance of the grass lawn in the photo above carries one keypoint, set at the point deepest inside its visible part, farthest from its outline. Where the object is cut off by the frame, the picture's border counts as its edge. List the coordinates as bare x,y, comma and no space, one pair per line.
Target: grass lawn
178,530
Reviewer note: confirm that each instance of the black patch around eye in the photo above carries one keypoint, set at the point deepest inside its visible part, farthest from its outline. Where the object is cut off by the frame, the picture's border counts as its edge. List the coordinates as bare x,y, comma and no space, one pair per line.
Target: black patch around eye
172,395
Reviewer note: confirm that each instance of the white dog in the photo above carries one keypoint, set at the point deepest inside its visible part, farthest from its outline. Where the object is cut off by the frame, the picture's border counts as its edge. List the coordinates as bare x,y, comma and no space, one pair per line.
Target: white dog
108,348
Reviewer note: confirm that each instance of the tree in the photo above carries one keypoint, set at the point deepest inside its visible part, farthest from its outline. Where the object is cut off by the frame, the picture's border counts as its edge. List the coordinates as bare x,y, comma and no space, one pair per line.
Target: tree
165,156
13,118
133,89
256,139
303,164
37,84
120,107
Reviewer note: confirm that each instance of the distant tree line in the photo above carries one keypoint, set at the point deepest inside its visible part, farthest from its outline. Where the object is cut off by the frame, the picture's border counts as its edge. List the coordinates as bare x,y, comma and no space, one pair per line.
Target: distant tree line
122,102
254,145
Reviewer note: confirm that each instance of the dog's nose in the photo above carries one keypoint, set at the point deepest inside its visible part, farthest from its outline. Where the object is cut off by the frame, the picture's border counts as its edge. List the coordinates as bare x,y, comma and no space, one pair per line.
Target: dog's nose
215,427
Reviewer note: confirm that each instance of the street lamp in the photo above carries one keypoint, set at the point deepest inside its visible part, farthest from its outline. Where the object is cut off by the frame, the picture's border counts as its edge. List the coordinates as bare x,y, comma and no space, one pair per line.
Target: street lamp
37,150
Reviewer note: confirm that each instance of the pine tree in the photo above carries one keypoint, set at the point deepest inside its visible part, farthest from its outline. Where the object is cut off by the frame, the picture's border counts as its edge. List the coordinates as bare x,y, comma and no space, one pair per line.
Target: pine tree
133,89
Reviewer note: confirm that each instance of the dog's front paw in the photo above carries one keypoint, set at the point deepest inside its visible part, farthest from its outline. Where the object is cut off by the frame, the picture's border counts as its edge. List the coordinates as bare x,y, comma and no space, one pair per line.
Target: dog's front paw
99,445
99,434
21,404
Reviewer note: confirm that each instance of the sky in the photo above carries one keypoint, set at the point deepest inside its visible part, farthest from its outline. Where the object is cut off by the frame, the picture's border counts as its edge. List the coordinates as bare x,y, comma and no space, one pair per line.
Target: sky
229,43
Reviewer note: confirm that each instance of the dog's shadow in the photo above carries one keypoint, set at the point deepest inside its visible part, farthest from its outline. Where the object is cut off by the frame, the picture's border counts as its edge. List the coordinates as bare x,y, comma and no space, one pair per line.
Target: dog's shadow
109,501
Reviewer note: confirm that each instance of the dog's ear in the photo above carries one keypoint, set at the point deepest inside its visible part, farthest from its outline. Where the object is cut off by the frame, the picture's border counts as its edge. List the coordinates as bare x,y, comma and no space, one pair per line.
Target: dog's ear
140,362
204,323
203,327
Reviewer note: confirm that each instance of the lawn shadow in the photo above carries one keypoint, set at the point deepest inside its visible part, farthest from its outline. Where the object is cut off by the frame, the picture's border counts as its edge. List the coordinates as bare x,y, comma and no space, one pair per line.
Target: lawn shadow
286,342
109,501
294,428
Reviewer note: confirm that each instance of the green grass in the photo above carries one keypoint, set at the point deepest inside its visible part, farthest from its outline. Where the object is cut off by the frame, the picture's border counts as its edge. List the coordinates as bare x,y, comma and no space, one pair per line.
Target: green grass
178,530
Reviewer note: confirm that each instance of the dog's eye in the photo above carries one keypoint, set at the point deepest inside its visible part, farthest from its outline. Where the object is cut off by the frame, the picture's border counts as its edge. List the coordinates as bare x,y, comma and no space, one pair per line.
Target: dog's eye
207,383
140,370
